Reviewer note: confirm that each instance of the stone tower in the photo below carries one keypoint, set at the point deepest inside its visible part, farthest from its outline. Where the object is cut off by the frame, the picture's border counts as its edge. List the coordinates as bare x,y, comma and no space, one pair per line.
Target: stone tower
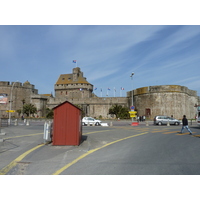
73,86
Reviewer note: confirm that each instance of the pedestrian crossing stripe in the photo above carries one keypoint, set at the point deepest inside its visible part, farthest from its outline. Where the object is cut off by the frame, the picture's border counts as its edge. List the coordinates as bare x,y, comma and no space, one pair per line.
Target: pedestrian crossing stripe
184,133
170,132
196,135
156,131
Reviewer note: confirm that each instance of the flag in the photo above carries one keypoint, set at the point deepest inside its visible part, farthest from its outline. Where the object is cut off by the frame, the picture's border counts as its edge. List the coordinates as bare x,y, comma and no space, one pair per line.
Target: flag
122,88
108,88
95,88
74,61
81,89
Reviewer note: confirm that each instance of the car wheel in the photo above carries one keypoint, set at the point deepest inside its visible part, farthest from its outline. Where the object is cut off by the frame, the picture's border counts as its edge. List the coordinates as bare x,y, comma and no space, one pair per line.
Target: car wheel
97,124
159,123
83,123
176,123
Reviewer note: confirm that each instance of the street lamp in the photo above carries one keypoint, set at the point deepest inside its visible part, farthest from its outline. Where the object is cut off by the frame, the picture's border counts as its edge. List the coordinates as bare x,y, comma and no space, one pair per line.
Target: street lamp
132,85
9,121
132,90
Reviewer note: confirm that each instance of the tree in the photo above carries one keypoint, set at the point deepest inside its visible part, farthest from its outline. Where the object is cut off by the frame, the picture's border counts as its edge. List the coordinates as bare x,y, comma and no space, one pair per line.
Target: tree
50,113
29,109
119,111
81,107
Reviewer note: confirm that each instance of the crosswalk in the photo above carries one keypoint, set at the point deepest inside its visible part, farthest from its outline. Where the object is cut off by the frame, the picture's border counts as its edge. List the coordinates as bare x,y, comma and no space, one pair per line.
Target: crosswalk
164,131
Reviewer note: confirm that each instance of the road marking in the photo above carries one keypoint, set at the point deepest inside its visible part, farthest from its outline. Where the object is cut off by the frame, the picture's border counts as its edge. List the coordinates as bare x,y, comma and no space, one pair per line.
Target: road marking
23,136
157,131
196,135
92,151
182,134
186,134
6,169
169,132
95,132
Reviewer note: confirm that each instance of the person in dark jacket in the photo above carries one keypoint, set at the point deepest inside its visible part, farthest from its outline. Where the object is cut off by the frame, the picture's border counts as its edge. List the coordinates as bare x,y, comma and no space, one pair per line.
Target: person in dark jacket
185,125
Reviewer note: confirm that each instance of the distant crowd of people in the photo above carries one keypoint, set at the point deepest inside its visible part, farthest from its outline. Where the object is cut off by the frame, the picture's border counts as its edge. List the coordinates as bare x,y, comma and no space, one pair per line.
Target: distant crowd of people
141,118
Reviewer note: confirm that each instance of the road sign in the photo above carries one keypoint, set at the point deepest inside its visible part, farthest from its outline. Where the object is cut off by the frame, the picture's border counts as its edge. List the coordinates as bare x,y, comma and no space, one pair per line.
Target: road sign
132,107
10,110
132,112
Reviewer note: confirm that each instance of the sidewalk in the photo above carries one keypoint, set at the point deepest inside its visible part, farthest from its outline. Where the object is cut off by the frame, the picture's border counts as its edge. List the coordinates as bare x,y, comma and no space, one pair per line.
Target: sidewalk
10,135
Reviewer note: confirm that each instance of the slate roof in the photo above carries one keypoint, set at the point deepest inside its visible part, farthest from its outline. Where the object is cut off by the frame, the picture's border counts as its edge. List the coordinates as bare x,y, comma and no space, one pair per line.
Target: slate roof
68,79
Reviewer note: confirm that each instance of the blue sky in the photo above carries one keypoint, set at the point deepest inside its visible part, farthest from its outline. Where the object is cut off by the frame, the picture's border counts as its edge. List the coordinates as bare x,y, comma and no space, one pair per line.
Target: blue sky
107,55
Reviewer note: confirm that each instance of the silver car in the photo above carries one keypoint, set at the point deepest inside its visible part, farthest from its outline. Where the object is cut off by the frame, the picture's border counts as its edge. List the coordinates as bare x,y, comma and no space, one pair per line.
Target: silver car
159,120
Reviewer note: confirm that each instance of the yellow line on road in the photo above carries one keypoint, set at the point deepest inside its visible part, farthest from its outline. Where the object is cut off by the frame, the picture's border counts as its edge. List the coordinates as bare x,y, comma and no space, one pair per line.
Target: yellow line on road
23,136
95,132
6,169
169,132
182,134
92,151
157,131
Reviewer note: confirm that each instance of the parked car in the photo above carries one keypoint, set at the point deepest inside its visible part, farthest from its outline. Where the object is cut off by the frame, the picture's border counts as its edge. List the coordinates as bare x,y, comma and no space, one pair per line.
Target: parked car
90,120
159,120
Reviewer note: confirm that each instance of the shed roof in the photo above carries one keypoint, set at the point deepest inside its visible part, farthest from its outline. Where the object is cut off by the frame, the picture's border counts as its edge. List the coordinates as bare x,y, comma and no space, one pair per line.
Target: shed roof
65,103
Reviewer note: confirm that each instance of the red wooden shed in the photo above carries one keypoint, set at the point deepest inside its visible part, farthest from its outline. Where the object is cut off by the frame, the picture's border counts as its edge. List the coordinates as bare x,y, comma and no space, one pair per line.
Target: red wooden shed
67,126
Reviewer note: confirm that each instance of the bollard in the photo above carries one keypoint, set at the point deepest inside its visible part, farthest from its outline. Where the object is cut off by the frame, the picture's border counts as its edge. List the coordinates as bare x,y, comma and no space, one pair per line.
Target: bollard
16,122
111,124
147,123
2,133
93,124
27,123
88,124
168,124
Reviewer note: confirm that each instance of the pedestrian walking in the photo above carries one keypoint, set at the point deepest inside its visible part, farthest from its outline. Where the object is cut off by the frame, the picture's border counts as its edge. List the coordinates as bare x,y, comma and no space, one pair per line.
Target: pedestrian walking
185,125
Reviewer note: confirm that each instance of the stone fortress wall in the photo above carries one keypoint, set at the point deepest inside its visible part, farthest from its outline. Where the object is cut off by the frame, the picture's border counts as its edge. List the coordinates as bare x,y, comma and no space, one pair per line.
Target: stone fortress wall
150,101
171,100
94,106
21,94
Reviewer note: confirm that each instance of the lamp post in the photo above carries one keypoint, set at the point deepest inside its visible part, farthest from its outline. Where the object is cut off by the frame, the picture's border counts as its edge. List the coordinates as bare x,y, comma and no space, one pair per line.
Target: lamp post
132,85
9,121
132,89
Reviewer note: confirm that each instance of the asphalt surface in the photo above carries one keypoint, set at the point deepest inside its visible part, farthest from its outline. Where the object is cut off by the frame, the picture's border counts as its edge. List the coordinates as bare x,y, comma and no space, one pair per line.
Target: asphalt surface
120,149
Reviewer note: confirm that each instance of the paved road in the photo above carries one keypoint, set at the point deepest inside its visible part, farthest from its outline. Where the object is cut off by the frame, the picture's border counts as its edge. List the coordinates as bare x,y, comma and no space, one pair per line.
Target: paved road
121,150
